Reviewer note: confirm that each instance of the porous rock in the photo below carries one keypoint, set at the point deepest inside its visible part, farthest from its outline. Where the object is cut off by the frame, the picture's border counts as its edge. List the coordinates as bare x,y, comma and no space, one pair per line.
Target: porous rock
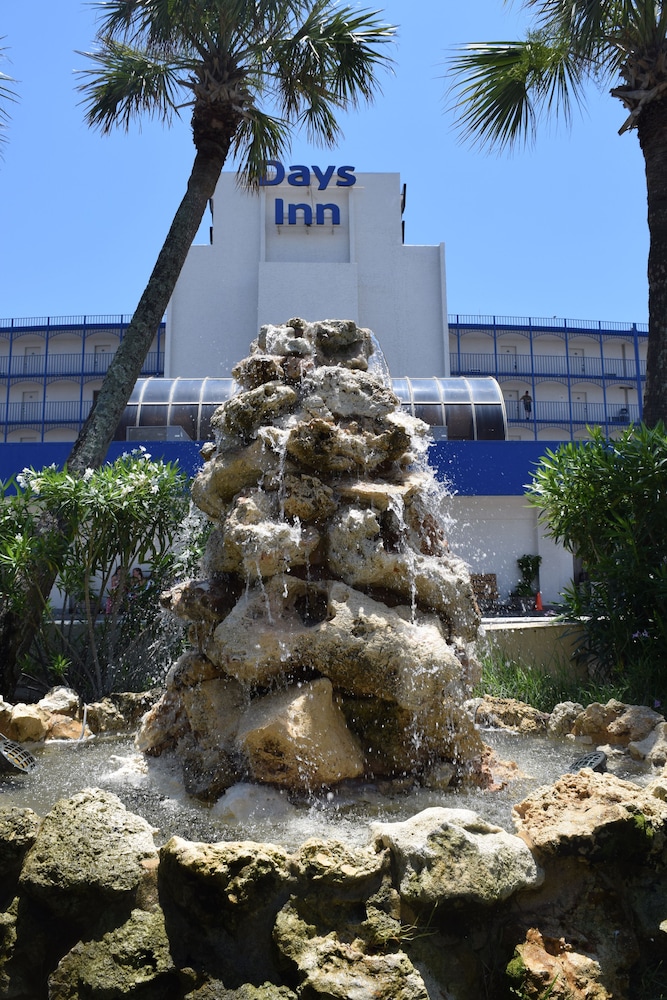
616,723
89,849
562,717
543,963
298,738
653,748
131,960
18,832
220,902
327,567
508,713
593,815
454,856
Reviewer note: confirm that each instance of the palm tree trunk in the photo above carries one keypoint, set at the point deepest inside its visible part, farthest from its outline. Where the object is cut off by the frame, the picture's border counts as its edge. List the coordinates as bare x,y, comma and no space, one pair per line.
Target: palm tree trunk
652,129
91,446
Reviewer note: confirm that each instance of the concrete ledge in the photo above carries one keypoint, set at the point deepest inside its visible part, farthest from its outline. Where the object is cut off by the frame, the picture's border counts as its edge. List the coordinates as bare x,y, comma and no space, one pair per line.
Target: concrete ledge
533,642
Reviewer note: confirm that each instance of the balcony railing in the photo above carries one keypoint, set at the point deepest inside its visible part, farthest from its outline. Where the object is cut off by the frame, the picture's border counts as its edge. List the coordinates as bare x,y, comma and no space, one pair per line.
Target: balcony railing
525,324
39,366
563,413
558,366
35,414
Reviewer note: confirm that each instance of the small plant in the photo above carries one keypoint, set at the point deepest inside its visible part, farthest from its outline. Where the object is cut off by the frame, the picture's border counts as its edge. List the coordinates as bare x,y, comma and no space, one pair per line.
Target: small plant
59,668
529,567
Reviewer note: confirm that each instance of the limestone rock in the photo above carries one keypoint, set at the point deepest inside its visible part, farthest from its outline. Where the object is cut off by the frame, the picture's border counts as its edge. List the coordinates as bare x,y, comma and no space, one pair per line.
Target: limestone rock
327,566
213,708
358,554
508,713
634,724
562,717
215,990
348,394
338,969
60,701
257,369
593,815
89,849
299,739
653,748
62,727
201,600
257,543
29,724
542,964
105,717
328,447
127,961
307,498
223,476
243,414
455,856
220,902
163,725
616,723
18,832
326,863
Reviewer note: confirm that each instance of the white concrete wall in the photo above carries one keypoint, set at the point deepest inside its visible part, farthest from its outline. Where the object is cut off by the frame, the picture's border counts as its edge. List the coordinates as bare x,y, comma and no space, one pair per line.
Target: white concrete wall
256,272
491,533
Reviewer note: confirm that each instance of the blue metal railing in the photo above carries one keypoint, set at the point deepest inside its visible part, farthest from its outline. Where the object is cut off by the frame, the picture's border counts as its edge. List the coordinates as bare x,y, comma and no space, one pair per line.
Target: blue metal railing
562,413
574,367
71,365
533,323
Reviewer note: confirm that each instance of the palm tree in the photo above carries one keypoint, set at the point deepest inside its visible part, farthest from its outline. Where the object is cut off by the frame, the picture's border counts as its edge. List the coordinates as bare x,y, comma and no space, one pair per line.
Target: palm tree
252,71
501,90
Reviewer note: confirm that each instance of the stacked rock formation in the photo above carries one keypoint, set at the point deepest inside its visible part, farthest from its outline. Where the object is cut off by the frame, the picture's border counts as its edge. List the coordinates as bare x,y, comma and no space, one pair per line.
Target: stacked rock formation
332,627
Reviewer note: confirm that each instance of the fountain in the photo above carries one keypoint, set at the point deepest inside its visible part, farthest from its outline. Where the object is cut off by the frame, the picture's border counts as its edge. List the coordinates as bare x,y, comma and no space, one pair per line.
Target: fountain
333,628
332,638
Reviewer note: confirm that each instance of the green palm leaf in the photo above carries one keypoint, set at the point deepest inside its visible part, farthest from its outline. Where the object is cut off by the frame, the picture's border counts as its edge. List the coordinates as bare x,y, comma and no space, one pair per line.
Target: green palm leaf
503,89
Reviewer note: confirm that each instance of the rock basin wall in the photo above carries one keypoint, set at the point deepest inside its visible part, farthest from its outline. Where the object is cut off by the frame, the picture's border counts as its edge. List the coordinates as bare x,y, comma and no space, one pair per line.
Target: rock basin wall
332,628
443,905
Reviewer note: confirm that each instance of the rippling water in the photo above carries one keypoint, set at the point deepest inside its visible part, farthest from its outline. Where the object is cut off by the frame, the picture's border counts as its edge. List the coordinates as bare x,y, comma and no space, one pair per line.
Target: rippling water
153,789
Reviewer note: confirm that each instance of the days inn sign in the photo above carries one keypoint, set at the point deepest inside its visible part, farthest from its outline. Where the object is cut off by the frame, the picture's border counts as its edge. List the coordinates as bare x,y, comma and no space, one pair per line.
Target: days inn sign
300,176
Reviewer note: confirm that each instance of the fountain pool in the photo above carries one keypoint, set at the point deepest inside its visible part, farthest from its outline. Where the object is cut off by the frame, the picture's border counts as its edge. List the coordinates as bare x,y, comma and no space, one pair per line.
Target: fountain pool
153,789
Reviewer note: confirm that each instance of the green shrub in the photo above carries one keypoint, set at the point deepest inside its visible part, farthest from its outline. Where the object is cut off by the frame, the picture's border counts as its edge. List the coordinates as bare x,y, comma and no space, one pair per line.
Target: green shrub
132,511
605,501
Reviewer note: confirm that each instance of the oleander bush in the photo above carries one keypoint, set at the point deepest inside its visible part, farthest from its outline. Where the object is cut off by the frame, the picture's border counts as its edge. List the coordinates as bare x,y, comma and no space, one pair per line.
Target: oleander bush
106,630
605,501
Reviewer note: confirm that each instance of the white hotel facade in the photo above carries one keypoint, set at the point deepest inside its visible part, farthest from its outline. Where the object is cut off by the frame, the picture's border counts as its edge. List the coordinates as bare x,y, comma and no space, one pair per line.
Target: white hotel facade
327,242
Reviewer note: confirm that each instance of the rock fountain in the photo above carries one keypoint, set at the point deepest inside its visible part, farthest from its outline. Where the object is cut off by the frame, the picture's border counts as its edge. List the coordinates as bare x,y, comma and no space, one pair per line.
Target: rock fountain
333,627
332,638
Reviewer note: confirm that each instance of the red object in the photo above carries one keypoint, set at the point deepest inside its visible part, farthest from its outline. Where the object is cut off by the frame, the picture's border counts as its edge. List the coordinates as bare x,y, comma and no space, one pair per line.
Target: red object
538,602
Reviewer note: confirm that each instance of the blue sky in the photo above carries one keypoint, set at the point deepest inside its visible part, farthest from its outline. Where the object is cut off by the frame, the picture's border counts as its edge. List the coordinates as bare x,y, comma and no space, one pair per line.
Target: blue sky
556,230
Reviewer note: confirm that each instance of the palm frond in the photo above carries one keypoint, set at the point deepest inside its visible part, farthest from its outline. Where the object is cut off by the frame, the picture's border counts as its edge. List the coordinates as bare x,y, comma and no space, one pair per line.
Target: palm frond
332,56
126,83
501,89
259,137
7,93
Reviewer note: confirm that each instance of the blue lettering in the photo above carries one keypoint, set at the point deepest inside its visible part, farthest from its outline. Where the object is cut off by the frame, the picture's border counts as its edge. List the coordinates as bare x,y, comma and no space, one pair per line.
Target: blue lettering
346,177
299,176
266,181
335,214
307,214
280,214
323,176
